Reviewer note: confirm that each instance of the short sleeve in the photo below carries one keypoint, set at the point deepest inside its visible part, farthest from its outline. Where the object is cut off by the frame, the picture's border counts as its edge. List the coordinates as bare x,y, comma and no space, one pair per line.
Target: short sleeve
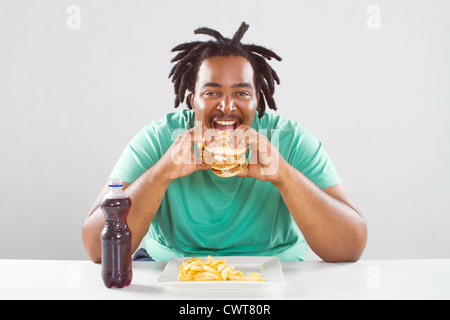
142,152
150,144
310,158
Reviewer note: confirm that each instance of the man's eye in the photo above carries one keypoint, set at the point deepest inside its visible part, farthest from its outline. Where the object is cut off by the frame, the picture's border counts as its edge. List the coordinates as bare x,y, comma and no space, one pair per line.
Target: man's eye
243,93
210,93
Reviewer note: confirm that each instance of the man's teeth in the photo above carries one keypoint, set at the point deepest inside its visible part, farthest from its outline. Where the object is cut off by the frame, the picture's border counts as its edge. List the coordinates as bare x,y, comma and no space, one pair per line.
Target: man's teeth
226,123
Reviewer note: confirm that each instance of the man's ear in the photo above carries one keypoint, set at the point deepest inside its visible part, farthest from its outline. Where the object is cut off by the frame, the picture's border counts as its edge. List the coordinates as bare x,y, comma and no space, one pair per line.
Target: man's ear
191,99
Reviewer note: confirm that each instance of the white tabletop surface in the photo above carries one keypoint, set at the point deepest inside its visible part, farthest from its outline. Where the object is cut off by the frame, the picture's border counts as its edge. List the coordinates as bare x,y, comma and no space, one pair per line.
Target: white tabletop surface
367,279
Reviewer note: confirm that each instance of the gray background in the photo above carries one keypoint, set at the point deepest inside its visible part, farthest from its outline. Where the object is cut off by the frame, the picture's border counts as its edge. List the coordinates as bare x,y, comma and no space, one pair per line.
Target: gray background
378,99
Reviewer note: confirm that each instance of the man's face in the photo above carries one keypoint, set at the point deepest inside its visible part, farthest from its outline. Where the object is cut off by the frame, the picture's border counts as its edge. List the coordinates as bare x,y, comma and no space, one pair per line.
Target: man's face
225,96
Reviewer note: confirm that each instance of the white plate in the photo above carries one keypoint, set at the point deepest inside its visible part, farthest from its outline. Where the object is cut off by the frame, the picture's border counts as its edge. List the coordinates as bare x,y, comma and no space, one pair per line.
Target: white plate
270,268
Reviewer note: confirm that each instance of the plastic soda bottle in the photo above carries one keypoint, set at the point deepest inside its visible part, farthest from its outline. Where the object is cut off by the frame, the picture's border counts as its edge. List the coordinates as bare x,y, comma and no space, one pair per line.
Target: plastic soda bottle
116,237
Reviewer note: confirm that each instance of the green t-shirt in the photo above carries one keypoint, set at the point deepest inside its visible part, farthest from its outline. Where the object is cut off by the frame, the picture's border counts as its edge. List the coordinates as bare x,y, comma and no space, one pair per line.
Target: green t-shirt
203,214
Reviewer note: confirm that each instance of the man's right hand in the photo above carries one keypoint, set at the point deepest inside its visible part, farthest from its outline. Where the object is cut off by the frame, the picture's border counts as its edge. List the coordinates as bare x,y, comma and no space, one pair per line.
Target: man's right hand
179,160
146,192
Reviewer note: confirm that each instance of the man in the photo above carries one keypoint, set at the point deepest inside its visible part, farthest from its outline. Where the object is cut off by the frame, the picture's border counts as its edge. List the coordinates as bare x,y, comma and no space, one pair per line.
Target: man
288,197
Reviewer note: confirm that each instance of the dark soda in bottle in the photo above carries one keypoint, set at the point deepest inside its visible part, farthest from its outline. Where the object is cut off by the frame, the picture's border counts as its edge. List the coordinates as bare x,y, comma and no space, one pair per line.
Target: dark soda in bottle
116,237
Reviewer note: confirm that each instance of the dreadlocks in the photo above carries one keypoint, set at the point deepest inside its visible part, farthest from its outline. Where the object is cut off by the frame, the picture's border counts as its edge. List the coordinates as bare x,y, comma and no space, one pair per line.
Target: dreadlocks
191,55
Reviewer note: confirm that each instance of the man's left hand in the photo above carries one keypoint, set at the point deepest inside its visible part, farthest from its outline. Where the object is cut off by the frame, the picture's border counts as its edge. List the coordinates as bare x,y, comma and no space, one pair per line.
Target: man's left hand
265,162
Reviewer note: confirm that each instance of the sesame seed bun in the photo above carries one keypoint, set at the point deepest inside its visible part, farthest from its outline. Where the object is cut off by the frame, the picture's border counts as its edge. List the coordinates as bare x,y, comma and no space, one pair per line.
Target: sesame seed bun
225,161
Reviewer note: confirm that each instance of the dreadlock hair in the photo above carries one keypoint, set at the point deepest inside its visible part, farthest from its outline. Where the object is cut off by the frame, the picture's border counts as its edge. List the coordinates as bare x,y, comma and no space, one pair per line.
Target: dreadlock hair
191,55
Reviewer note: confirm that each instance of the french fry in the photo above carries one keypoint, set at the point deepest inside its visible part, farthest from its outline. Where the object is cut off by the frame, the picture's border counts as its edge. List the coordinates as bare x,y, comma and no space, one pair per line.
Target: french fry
196,269
208,269
193,263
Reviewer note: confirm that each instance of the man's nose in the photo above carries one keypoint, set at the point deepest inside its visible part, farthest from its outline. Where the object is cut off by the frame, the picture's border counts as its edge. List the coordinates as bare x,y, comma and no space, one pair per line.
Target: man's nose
226,105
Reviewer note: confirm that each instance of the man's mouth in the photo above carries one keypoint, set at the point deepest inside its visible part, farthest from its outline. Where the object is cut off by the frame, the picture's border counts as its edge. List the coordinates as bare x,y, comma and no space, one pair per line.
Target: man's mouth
225,125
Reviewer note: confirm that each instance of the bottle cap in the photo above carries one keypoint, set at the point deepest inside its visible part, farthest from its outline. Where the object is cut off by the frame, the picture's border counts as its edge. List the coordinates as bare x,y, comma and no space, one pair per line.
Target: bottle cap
115,183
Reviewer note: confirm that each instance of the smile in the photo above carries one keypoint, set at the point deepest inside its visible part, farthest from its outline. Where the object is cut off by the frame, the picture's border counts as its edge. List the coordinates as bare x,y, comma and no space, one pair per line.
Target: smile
225,125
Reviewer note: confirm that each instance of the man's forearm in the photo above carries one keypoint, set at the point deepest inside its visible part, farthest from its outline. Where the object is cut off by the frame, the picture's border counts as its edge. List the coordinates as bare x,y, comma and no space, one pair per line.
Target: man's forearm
146,194
333,229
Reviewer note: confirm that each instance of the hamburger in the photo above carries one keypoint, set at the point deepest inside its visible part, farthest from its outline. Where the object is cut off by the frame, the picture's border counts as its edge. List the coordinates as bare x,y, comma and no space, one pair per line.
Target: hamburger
223,159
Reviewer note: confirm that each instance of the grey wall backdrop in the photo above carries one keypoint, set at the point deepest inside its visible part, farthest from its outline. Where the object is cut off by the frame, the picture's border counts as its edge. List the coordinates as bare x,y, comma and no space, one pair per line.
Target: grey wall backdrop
370,79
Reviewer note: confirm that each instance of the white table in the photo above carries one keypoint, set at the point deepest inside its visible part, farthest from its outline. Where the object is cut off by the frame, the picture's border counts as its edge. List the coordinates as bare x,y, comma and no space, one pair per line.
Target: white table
369,279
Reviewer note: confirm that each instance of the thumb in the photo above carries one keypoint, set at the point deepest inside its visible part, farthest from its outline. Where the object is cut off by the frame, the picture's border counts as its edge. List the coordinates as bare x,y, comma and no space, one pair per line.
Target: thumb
244,173
202,166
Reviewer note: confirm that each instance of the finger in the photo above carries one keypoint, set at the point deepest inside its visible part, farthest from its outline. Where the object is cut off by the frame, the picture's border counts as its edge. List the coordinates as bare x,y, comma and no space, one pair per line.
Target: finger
239,131
184,137
243,174
241,128
197,160
203,166
241,136
253,158
210,135
251,138
187,139
182,146
196,134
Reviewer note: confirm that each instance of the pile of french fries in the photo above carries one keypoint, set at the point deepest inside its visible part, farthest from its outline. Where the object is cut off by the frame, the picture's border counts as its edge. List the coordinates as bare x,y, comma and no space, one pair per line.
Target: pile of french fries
197,269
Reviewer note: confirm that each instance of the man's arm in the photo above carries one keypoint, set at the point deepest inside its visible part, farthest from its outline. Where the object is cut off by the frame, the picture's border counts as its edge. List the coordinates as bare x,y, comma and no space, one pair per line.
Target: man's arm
146,194
327,218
